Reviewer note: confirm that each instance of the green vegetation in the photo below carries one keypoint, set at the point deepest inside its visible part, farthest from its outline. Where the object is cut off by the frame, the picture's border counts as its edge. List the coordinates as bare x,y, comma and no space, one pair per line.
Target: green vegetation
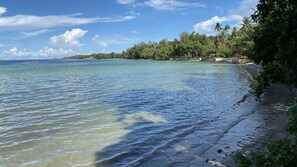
235,43
227,43
275,38
97,56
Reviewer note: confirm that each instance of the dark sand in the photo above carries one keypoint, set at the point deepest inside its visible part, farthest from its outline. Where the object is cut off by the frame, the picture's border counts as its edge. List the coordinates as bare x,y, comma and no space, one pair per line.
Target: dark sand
249,126
253,133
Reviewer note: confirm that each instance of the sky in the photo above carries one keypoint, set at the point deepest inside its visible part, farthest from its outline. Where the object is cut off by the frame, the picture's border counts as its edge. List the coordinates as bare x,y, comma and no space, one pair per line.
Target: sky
45,29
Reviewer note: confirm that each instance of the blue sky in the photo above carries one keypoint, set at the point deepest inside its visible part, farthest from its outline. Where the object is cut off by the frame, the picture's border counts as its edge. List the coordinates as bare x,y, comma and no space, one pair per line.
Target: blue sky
34,29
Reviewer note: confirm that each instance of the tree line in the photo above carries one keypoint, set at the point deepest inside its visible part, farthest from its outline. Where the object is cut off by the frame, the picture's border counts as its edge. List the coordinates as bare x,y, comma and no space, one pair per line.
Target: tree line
97,56
227,43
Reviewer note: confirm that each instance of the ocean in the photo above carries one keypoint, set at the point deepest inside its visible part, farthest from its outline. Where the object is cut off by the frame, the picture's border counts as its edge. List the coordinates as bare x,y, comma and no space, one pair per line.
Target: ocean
116,112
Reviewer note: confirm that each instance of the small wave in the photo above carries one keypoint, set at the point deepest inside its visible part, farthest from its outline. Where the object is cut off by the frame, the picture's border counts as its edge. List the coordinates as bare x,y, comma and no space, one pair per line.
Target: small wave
243,99
177,138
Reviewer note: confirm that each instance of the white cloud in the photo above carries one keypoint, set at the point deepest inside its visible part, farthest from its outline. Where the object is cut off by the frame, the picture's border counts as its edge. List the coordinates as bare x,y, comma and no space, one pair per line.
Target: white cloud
245,9
208,25
125,2
171,4
135,32
15,53
1,45
69,37
103,44
33,33
114,39
31,22
2,10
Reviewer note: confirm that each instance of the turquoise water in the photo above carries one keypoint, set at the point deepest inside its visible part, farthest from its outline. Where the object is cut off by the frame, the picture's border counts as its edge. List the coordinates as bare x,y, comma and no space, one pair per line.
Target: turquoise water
107,112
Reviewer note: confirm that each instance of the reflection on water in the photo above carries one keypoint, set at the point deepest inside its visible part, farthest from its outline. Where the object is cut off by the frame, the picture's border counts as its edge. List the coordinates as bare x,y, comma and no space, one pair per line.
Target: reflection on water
109,113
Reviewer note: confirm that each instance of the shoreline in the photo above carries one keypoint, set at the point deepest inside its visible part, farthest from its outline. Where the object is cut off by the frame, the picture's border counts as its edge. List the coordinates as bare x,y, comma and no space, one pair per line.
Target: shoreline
230,60
272,117
249,126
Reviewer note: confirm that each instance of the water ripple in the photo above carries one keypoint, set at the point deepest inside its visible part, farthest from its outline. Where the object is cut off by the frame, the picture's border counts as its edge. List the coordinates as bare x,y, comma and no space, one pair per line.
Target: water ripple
108,113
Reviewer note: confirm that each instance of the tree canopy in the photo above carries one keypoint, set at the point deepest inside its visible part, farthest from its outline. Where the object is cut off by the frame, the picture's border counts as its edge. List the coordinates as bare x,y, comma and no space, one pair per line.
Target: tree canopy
227,43
275,39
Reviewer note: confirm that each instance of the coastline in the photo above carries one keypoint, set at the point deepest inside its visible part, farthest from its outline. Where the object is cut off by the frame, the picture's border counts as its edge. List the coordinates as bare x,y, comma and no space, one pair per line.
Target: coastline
249,126
256,127
272,117
248,123
230,60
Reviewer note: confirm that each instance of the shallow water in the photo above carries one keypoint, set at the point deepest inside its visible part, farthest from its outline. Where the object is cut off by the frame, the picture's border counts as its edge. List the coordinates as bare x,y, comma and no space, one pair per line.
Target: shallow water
112,113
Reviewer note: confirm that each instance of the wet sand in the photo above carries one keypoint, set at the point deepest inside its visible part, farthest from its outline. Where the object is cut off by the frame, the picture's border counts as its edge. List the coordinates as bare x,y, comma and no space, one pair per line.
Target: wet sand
249,126
265,125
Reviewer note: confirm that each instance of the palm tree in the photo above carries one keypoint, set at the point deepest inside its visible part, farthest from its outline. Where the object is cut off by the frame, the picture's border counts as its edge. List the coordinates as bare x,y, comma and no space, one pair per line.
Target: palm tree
218,27
226,28
234,32
225,34
246,23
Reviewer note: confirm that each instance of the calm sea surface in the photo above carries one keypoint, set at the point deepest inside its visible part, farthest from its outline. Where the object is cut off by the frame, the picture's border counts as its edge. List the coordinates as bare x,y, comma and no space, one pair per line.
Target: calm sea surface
110,113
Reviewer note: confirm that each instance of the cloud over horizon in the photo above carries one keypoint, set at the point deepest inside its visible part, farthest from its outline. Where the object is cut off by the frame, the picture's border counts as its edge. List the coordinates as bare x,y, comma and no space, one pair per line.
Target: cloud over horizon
42,53
69,37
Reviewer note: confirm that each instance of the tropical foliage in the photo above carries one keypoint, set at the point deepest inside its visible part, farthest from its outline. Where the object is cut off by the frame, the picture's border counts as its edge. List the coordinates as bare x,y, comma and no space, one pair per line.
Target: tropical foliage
275,48
97,56
227,43
275,40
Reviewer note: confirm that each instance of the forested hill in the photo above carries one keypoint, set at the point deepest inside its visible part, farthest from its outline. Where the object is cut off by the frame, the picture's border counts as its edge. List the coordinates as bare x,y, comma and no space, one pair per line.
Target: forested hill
227,43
